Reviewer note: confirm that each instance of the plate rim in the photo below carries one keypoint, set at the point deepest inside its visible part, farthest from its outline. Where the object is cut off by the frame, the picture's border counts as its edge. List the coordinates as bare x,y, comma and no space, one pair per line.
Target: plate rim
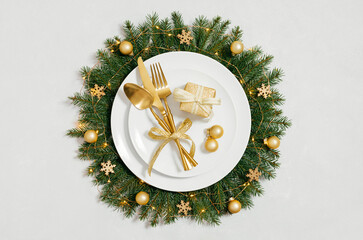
184,188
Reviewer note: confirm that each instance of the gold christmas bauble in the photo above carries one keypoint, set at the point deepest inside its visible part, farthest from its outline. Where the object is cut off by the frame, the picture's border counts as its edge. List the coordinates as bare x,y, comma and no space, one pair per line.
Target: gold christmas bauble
90,136
211,145
126,48
234,206
272,142
237,47
142,198
216,131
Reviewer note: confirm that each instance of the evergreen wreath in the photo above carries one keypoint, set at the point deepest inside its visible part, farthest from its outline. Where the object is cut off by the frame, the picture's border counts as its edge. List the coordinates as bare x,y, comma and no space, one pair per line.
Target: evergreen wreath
119,186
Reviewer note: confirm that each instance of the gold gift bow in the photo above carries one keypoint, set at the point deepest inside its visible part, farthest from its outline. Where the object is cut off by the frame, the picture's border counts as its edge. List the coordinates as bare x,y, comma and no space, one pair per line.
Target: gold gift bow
159,134
181,95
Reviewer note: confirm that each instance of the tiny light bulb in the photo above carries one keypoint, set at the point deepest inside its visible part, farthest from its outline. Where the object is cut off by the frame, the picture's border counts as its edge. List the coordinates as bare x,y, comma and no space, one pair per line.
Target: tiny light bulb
157,27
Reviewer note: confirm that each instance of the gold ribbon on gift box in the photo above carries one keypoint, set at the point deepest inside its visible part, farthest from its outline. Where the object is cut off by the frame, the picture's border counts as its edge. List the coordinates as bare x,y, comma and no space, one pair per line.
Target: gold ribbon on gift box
159,134
198,101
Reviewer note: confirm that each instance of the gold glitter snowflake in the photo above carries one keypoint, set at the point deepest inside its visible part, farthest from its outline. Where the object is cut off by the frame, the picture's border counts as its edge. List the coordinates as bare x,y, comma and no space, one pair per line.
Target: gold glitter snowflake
254,174
185,37
107,167
98,91
264,91
184,207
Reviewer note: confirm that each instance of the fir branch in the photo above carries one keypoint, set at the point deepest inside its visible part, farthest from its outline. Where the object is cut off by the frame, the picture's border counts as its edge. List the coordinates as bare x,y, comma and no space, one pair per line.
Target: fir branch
159,36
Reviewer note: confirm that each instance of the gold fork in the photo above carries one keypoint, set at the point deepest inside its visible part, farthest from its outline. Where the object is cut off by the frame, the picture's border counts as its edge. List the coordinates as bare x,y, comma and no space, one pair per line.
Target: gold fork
163,91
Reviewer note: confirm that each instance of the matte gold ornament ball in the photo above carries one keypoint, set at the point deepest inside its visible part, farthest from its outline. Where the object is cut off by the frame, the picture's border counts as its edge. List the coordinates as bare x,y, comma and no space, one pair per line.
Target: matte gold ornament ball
234,206
272,142
237,47
90,136
211,145
142,198
216,131
126,48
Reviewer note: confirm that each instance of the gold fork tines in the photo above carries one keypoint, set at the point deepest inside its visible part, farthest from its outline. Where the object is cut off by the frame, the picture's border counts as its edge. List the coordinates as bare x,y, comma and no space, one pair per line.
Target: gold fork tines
163,91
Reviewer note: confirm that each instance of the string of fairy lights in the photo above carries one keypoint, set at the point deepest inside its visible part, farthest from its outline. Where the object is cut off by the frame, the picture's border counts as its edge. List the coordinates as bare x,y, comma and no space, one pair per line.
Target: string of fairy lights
254,174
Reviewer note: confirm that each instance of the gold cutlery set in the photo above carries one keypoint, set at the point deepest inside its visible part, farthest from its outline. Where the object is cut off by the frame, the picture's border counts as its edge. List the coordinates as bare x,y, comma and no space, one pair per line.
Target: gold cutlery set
152,94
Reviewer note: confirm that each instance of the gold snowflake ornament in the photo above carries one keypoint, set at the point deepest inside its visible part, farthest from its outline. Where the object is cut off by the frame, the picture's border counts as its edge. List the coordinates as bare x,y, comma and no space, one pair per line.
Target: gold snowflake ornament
264,91
185,37
254,174
184,207
107,167
98,91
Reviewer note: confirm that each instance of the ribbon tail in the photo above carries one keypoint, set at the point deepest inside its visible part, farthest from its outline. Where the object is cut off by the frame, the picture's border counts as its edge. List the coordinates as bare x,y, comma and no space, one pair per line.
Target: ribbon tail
156,154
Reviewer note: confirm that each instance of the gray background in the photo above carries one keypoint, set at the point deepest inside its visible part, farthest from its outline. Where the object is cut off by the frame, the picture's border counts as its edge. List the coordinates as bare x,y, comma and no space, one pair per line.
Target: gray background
318,191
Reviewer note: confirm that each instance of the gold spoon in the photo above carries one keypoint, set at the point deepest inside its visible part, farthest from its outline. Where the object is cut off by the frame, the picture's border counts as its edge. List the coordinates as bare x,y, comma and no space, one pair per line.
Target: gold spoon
142,99
138,96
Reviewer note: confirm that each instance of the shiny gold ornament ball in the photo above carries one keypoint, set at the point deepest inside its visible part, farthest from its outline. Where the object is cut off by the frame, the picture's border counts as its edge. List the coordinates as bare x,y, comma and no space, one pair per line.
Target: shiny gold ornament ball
272,142
237,47
211,145
234,206
142,198
126,48
90,136
216,131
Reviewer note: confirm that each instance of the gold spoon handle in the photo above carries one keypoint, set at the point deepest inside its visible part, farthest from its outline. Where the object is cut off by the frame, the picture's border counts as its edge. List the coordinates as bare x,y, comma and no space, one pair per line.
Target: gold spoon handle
172,125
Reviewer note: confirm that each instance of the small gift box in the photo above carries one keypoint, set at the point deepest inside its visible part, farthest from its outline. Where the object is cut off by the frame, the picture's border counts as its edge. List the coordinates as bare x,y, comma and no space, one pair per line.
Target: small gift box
196,99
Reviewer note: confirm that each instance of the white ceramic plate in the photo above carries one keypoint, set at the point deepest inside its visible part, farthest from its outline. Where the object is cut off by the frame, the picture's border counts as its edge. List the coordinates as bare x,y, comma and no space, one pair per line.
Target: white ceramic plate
130,126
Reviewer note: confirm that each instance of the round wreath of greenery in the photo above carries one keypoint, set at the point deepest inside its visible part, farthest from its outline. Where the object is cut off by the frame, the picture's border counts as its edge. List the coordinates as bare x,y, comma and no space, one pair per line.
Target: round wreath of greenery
151,38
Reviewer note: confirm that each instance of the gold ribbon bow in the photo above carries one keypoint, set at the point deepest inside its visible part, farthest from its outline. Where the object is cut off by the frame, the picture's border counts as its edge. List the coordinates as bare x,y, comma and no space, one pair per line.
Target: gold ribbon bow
181,95
159,134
